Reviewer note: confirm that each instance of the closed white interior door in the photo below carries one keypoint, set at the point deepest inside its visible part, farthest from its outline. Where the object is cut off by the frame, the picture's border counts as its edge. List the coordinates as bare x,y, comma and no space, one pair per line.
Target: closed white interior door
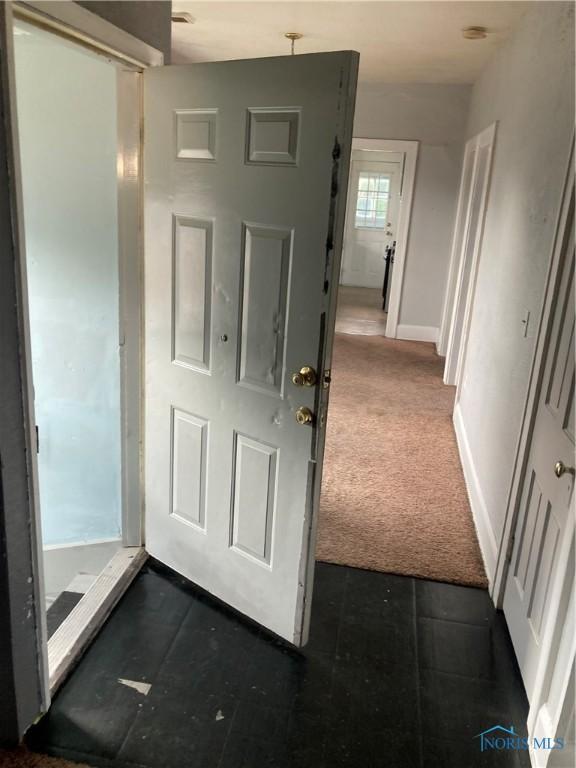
541,547
243,162
372,218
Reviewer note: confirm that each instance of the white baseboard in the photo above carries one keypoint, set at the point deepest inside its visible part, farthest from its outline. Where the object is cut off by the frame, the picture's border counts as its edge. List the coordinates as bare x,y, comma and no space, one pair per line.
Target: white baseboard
484,530
417,332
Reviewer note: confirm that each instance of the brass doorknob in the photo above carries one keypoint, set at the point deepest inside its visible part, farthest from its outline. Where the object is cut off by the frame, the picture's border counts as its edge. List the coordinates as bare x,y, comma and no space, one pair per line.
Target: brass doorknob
306,377
561,469
304,416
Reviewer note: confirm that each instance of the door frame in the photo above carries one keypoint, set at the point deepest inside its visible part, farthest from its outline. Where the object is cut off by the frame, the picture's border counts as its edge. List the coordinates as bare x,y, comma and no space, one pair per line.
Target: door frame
409,149
464,291
75,23
458,237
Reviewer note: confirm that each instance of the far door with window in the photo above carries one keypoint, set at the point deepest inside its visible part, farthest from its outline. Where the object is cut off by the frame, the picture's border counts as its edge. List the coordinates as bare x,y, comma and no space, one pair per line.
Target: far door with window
371,222
245,166
540,540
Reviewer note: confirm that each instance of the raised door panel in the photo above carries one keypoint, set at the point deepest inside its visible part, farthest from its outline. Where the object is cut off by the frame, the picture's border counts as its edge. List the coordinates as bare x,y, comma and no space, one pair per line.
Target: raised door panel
191,292
253,498
264,282
188,468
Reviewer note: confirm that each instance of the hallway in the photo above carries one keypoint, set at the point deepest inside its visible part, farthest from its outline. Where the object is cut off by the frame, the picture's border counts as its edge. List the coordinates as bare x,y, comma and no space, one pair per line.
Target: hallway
393,496
360,311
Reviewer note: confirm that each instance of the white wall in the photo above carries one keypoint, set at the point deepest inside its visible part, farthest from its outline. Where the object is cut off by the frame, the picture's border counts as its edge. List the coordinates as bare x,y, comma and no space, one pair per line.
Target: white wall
529,89
434,115
66,100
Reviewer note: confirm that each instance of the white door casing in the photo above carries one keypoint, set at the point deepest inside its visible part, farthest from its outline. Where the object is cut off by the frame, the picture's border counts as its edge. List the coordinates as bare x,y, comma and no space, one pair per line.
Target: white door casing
466,251
364,246
545,525
243,161
460,226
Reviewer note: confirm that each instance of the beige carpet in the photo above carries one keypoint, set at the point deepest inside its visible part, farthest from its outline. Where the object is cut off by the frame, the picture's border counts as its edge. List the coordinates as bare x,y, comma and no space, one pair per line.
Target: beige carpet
393,494
22,758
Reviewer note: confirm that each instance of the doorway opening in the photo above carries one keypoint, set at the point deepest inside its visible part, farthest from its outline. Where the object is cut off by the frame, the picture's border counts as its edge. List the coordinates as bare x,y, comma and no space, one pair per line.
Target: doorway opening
81,273
379,204
394,497
370,240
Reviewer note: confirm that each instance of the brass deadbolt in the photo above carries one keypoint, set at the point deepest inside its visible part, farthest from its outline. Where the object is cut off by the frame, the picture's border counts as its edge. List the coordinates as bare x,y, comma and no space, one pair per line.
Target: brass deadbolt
306,377
304,416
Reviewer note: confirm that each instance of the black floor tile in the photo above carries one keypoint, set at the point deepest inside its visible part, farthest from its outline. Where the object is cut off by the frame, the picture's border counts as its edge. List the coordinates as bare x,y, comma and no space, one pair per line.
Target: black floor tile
160,597
379,597
458,708
371,638
266,735
374,692
328,599
460,649
131,646
388,748
440,753
60,609
436,600
179,731
91,716
398,672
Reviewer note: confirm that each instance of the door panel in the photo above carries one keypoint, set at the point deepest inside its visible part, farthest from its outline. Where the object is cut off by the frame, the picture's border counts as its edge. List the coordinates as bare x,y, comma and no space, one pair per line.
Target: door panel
192,292
546,500
243,162
264,284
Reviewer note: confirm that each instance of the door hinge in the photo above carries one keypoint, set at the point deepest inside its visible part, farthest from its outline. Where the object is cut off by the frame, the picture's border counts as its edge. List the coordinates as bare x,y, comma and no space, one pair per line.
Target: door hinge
37,438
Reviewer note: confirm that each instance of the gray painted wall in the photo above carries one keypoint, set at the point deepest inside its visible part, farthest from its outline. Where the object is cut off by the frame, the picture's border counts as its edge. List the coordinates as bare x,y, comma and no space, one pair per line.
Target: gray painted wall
436,116
149,20
529,89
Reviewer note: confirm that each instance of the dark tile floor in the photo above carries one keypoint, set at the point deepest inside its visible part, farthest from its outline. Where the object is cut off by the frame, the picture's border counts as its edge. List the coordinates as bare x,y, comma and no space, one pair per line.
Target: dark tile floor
398,673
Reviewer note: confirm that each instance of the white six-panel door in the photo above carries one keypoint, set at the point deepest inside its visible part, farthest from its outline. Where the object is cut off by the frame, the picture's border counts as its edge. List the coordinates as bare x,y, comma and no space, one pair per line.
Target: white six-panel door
241,173
541,540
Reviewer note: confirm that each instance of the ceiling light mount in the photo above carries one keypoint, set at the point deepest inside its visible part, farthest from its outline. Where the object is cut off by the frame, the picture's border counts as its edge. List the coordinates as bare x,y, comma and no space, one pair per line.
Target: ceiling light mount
474,33
293,36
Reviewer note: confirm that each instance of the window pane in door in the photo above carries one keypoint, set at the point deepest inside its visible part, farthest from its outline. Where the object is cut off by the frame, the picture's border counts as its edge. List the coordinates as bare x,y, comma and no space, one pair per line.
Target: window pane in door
372,200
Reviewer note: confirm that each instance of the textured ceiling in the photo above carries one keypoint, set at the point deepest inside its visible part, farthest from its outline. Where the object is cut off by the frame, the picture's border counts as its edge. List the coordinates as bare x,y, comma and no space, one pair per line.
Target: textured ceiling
398,41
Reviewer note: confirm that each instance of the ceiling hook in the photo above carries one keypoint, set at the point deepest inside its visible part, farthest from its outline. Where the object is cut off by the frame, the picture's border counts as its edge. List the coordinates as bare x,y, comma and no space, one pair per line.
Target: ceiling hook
293,36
